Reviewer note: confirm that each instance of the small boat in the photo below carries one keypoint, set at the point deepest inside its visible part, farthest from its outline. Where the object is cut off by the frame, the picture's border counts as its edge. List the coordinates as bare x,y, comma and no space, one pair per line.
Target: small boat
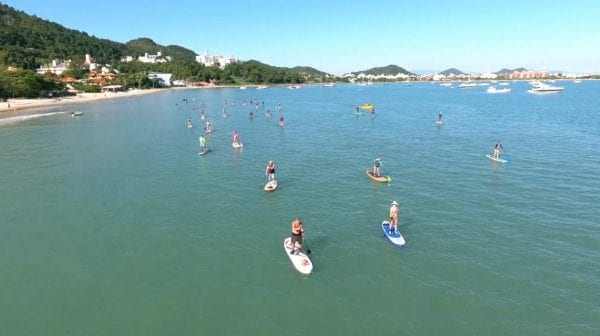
542,88
76,114
367,107
381,179
467,85
294,87
271,185
492,89
243,88
446,84
329,85
300,260
262,87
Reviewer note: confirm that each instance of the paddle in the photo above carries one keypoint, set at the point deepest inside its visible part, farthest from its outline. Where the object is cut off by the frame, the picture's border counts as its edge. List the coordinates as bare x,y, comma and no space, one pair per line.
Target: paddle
389,178
308,251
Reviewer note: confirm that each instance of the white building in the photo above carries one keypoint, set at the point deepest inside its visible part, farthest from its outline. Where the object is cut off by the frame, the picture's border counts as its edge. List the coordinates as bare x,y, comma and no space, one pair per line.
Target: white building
220,61
57,67
158,58
127,59
162,79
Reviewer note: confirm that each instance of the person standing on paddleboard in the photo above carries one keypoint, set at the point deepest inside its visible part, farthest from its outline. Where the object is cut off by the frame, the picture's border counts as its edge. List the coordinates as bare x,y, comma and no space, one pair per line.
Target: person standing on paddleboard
202,143
440,116
297,235
497,148
394,212
270,171
236,137
376,166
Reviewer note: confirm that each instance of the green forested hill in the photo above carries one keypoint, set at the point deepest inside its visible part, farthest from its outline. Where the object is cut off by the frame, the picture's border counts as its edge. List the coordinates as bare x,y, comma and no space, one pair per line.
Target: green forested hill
27,41
386,70
143,45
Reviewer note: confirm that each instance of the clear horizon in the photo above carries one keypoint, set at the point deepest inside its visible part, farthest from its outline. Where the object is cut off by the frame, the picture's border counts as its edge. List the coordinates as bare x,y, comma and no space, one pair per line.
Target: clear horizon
339,37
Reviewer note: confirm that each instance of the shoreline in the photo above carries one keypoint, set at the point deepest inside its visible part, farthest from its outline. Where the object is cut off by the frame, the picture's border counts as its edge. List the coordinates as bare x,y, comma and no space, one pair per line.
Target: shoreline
24,107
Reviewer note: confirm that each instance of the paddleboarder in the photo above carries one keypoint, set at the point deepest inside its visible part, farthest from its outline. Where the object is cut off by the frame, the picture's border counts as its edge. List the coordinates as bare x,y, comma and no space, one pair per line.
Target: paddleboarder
297,235
376,166
440,116
270,171
236,138
202,143
497,148
394,211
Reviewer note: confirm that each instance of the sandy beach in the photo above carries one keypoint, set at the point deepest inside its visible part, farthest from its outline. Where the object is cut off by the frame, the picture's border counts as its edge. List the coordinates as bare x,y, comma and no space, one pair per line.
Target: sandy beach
21,107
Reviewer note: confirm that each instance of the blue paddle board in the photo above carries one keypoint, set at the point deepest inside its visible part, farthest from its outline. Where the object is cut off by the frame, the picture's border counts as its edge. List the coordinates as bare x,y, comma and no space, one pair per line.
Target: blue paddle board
395,238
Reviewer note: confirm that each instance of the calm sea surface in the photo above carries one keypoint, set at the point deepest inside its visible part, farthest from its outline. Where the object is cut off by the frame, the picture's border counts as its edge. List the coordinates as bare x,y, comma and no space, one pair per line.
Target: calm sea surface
112,224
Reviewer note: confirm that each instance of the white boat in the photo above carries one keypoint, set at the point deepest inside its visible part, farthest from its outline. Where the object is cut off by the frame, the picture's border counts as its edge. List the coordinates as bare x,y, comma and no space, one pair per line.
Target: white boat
294,87
446,84
492,89
262,87
467,85
243,88
329,85
76,114
542,88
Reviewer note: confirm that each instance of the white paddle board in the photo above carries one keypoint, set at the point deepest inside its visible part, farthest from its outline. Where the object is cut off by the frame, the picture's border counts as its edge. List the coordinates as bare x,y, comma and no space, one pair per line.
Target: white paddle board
300,260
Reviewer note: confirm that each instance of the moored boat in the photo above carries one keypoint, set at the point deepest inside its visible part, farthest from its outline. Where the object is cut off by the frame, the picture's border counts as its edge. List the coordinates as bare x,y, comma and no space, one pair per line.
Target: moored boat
492,89
542,88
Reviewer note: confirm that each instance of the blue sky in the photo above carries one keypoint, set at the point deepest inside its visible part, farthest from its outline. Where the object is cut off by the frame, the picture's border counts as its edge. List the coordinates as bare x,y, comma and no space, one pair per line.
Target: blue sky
342,36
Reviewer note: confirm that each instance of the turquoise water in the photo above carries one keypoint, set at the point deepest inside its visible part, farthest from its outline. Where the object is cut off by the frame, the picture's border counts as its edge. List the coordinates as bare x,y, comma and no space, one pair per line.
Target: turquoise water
112,224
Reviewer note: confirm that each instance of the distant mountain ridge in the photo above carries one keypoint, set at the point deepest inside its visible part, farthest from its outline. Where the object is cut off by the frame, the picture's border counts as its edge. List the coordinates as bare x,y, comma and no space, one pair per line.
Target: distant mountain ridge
505,71
452,71
389,70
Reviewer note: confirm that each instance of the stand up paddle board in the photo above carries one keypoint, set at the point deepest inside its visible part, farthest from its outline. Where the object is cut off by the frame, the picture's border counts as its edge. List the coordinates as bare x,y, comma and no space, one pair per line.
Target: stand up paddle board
300,260
271,185
237,144
496,159
381,179
395,238
439,122
206,150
